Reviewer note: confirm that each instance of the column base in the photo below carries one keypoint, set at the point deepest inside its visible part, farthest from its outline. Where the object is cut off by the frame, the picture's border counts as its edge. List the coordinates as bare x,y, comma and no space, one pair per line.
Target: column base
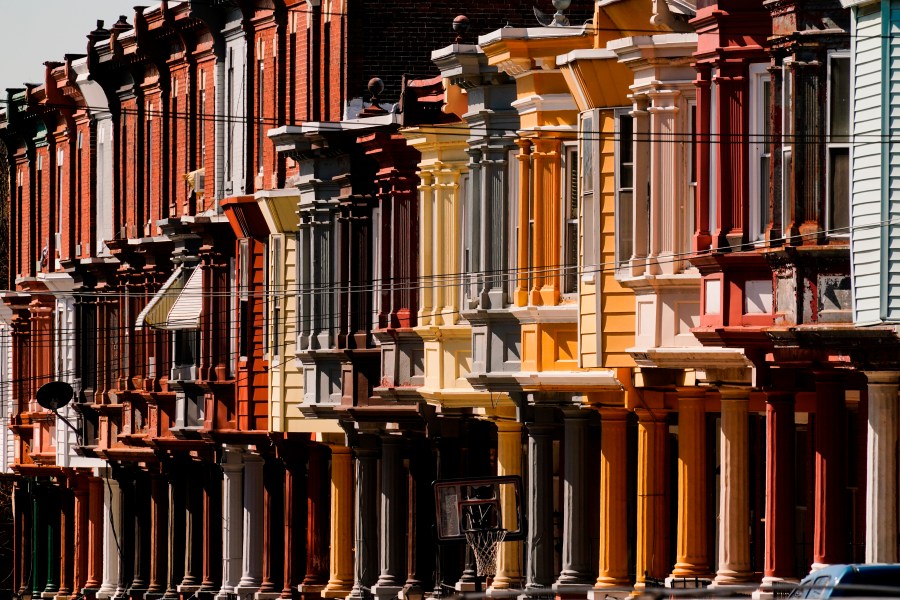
105,592
603,594
504,588
770,585
337,589
538,591
267,595
571,590
310,592
245,592
687,583
90,593
465,586
726,578
386,592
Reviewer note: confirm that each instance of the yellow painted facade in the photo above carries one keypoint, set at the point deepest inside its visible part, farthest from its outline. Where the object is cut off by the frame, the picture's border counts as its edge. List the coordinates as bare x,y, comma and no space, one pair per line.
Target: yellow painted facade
447,338
279,208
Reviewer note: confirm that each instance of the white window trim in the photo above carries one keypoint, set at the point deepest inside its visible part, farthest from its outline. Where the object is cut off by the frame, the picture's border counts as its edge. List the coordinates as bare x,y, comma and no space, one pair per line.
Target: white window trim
759,148
570,156
622,264
829,145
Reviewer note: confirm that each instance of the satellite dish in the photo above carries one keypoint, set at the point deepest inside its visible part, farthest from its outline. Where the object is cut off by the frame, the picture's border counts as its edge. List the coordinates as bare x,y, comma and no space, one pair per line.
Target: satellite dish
55,395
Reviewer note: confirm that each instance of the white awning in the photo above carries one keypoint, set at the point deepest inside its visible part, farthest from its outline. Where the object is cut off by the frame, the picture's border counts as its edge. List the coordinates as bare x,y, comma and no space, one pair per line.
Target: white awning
185,312
177,305
158,308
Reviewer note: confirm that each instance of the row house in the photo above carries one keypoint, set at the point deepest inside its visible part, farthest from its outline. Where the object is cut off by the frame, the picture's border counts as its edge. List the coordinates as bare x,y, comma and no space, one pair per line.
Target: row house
638,256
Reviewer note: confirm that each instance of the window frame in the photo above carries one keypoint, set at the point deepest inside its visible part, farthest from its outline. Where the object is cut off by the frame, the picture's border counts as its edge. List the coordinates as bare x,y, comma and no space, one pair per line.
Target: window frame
568,271
623,264
831,145
760,151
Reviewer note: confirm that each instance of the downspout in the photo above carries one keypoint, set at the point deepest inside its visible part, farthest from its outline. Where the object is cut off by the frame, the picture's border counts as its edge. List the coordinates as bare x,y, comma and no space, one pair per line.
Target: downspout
885,156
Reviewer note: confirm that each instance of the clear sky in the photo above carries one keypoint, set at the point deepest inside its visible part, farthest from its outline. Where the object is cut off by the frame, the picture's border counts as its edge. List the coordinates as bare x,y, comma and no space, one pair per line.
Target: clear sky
35,31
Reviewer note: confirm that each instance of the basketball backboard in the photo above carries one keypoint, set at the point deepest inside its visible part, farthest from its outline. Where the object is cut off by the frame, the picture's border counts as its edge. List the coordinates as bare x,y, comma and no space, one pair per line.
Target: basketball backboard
486,503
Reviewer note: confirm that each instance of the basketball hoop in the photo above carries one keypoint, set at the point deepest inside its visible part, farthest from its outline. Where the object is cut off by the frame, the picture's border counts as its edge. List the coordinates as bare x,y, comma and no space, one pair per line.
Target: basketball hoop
484,544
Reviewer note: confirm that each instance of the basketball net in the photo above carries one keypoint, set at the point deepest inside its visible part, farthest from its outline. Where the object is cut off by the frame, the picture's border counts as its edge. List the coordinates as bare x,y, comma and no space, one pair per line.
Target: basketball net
484,544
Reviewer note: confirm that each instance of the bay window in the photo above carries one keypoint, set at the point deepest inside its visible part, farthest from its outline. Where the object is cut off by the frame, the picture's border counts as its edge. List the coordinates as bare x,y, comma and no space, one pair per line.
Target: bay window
760,154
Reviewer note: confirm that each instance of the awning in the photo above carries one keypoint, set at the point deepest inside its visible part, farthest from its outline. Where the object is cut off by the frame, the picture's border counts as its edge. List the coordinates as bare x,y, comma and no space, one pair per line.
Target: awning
178,303
185,312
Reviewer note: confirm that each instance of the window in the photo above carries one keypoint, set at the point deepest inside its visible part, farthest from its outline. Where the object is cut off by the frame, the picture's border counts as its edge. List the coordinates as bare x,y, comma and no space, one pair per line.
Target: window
838,146
624,187
57,241
468,261
244,298
713,157
760,154
690,210
203,119
78,191
261,94
512,257
35,222
229,110
570,222
787,144
276,295
148,153
590,214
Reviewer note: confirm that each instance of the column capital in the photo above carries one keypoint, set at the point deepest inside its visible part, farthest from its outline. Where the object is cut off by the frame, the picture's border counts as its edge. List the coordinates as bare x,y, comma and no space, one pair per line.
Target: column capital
609,413
657,415
734,393
882,377
504,426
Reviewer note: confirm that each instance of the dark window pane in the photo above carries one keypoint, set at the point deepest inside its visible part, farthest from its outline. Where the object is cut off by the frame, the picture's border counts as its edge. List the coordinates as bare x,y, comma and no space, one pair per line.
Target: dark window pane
624,231
839,96
839,201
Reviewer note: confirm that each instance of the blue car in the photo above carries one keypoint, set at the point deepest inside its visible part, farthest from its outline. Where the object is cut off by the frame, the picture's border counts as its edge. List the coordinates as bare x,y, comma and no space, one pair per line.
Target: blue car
844,581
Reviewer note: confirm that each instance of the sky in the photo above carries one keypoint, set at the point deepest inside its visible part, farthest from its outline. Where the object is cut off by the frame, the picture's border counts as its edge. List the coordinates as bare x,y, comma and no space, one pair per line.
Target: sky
35,31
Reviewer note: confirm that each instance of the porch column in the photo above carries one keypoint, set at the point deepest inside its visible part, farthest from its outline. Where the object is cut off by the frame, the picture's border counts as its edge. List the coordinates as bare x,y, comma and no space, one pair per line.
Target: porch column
232,520
176,527
340,580
734,503
125,532
193,536
420,522
95,536
539,549
315,498
296,521
652,556
159,521
613,570
576,569
829,535
273,532
212,528
779,556
112,528
53,522
509,462
366,523
881,467
392,538
81,545
251,567
692,558
140,503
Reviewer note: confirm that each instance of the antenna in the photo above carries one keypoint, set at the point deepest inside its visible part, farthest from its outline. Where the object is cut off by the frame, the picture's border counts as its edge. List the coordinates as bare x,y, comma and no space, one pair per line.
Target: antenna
55,395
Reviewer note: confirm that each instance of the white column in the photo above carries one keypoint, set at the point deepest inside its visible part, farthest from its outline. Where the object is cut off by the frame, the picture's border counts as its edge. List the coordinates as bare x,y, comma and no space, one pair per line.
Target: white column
881,467
664,180
232,520
734,501
251,575
112,534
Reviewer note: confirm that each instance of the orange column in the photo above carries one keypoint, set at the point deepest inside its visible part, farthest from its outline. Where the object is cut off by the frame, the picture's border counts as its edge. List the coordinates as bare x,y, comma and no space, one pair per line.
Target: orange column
341,580
652,558
79,567
692,558
613,499
524,260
